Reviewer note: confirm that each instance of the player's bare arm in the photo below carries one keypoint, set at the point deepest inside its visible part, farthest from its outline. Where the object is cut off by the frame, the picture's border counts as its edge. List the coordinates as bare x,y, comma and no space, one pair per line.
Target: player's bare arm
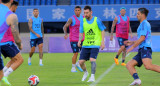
30,28
80,39
130,30
68,23
136,43
12,20
102,43
112,28
42,28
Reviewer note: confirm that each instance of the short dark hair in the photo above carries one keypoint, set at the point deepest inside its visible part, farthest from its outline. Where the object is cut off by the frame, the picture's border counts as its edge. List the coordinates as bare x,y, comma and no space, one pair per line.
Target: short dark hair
35,9
78,7
88,7
144,11
5,1
15,3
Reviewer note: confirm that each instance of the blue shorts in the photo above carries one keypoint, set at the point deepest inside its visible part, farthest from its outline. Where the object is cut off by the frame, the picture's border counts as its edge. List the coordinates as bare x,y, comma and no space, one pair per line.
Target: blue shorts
37,41
1,61
87,53
74,46
121,41
9,50
145,52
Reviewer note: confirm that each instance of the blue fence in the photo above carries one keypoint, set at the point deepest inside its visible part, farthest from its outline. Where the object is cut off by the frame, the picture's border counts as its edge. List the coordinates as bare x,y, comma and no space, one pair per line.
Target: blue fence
105,13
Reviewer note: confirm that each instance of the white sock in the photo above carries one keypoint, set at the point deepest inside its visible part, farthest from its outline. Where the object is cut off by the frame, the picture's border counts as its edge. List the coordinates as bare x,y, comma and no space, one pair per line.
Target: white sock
29,60
5,69
77,63
86,71
73,65
92,75
40,61
9,71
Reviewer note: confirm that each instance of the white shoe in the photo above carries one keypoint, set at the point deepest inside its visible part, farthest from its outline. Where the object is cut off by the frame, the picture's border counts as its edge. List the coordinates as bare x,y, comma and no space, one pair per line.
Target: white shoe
73,69
85,76
136,82
91,79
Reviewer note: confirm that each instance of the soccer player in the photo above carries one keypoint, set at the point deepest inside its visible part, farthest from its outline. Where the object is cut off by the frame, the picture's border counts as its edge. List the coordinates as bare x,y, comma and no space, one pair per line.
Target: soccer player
122,24
144,51
9,34
74,23
94,32
36,35
13,7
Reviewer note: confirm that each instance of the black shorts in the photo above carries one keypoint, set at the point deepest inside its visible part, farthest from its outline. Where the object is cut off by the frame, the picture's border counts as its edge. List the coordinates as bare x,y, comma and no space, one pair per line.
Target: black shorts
37,41
145,52
9,50
121,41
74,46
87,53
1,61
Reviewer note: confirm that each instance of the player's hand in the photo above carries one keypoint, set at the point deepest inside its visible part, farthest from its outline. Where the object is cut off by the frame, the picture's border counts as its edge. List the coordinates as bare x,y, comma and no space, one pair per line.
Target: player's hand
66,36
21,46
38,35
128,42
79,44
111,38
102,45
131,36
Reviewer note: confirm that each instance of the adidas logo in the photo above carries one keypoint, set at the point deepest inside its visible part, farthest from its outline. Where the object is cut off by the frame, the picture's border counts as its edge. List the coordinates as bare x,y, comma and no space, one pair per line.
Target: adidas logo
90,32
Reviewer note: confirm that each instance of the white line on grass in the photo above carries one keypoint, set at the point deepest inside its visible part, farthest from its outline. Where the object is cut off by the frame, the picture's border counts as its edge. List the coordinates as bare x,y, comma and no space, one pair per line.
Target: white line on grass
105,73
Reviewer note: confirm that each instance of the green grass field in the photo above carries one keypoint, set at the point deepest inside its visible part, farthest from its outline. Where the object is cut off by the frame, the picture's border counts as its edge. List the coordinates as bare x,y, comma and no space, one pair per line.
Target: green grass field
57,66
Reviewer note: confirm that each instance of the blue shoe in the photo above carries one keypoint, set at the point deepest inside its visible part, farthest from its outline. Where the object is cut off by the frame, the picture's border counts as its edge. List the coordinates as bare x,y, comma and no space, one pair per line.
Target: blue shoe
40,64
79,68
29,64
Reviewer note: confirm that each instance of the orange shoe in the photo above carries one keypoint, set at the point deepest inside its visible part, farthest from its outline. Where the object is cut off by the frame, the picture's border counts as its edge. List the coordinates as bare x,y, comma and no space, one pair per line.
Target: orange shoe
123,64
116,61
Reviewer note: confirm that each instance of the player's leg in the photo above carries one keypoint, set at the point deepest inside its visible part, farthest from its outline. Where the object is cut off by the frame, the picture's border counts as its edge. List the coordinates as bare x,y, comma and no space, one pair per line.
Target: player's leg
122,47
33,46
1,68
149,66
93,57
40,46
123,57
75,50
8,65
13,52
84,56
136,61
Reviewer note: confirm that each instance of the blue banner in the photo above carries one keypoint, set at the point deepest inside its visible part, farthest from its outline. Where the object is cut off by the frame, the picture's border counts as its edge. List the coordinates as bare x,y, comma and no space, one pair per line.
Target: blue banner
104,12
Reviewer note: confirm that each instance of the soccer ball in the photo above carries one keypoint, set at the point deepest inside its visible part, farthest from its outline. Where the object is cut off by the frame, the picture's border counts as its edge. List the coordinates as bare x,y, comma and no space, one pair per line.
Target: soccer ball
33,80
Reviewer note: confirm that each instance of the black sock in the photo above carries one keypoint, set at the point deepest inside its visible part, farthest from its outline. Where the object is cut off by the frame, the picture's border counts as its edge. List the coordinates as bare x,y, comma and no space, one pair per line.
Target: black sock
123,61
117,56
135,76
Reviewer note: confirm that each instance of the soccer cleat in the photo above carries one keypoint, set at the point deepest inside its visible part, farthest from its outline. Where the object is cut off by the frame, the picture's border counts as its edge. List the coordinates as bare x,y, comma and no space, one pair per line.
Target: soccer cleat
136,82
40,64
5,80
116,61
79,68
85,76
91,79
73,69
123,64
29,64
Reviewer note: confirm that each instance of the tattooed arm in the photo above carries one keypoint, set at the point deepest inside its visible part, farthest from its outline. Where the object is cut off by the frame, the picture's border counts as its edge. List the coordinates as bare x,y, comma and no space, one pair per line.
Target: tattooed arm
12,20
80,39
69,22
30,28
113,26
42,28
